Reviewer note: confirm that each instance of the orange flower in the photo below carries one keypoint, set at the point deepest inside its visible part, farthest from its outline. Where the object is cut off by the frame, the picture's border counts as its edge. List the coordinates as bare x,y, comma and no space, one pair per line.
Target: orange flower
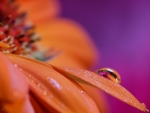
28,85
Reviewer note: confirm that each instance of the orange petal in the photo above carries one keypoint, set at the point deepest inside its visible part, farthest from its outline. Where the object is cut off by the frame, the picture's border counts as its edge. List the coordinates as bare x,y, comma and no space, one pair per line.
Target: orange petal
71,39
53,89
98,97
39,10
13,89
104,84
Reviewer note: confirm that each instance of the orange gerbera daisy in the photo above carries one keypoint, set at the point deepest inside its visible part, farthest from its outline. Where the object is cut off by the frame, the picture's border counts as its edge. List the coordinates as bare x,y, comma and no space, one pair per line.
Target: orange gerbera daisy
28,85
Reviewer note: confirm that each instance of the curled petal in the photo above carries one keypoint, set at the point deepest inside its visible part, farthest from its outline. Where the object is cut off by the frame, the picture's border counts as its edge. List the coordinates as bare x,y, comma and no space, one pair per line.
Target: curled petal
56,92
104,84
13,89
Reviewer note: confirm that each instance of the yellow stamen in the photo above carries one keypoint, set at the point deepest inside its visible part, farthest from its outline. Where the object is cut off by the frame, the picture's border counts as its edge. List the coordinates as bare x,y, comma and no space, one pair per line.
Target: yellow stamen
4,45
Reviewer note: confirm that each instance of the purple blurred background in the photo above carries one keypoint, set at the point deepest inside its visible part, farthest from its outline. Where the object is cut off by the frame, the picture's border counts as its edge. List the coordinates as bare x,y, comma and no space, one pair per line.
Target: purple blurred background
121,31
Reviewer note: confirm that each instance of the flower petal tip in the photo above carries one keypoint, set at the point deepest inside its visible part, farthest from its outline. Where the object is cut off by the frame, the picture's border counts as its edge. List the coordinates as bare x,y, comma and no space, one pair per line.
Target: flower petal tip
104,84
144,107
146,110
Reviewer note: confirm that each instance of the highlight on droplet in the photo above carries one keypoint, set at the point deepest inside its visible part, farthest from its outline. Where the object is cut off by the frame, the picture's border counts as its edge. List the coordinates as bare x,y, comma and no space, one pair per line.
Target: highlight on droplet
110,74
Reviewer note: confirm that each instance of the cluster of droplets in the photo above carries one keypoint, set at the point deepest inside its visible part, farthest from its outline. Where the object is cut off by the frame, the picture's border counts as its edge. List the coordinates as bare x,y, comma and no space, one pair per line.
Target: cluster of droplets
34,82
16,36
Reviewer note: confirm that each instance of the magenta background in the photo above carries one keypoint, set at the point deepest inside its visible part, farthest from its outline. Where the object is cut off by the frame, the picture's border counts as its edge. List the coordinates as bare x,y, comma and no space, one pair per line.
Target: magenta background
121,31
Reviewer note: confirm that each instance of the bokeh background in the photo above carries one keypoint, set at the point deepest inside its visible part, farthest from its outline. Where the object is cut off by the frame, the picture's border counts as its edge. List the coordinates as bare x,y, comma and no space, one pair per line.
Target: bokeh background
121,32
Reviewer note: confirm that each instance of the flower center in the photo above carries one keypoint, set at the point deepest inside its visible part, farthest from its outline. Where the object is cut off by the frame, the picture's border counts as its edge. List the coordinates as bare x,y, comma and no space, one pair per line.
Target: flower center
16,36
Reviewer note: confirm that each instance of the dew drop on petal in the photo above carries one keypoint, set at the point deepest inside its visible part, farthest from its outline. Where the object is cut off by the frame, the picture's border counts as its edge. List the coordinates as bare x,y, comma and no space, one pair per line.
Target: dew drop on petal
146,110
38,85
15,65
51,96
110,74
44,92
81,91
143,104
54,83
29,75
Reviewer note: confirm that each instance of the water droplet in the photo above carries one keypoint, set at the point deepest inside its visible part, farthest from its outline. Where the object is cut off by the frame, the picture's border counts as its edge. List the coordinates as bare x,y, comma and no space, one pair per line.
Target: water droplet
38,85
15,65
54,83
44,92
110,74
146,110
29,75
143,104
82,92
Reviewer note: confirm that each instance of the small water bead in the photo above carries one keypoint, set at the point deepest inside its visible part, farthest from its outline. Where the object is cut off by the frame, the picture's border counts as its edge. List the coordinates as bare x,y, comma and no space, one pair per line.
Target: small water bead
44,92
143,104
110,74
81,91
38,85
54,83
15,65
29,75
146,110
